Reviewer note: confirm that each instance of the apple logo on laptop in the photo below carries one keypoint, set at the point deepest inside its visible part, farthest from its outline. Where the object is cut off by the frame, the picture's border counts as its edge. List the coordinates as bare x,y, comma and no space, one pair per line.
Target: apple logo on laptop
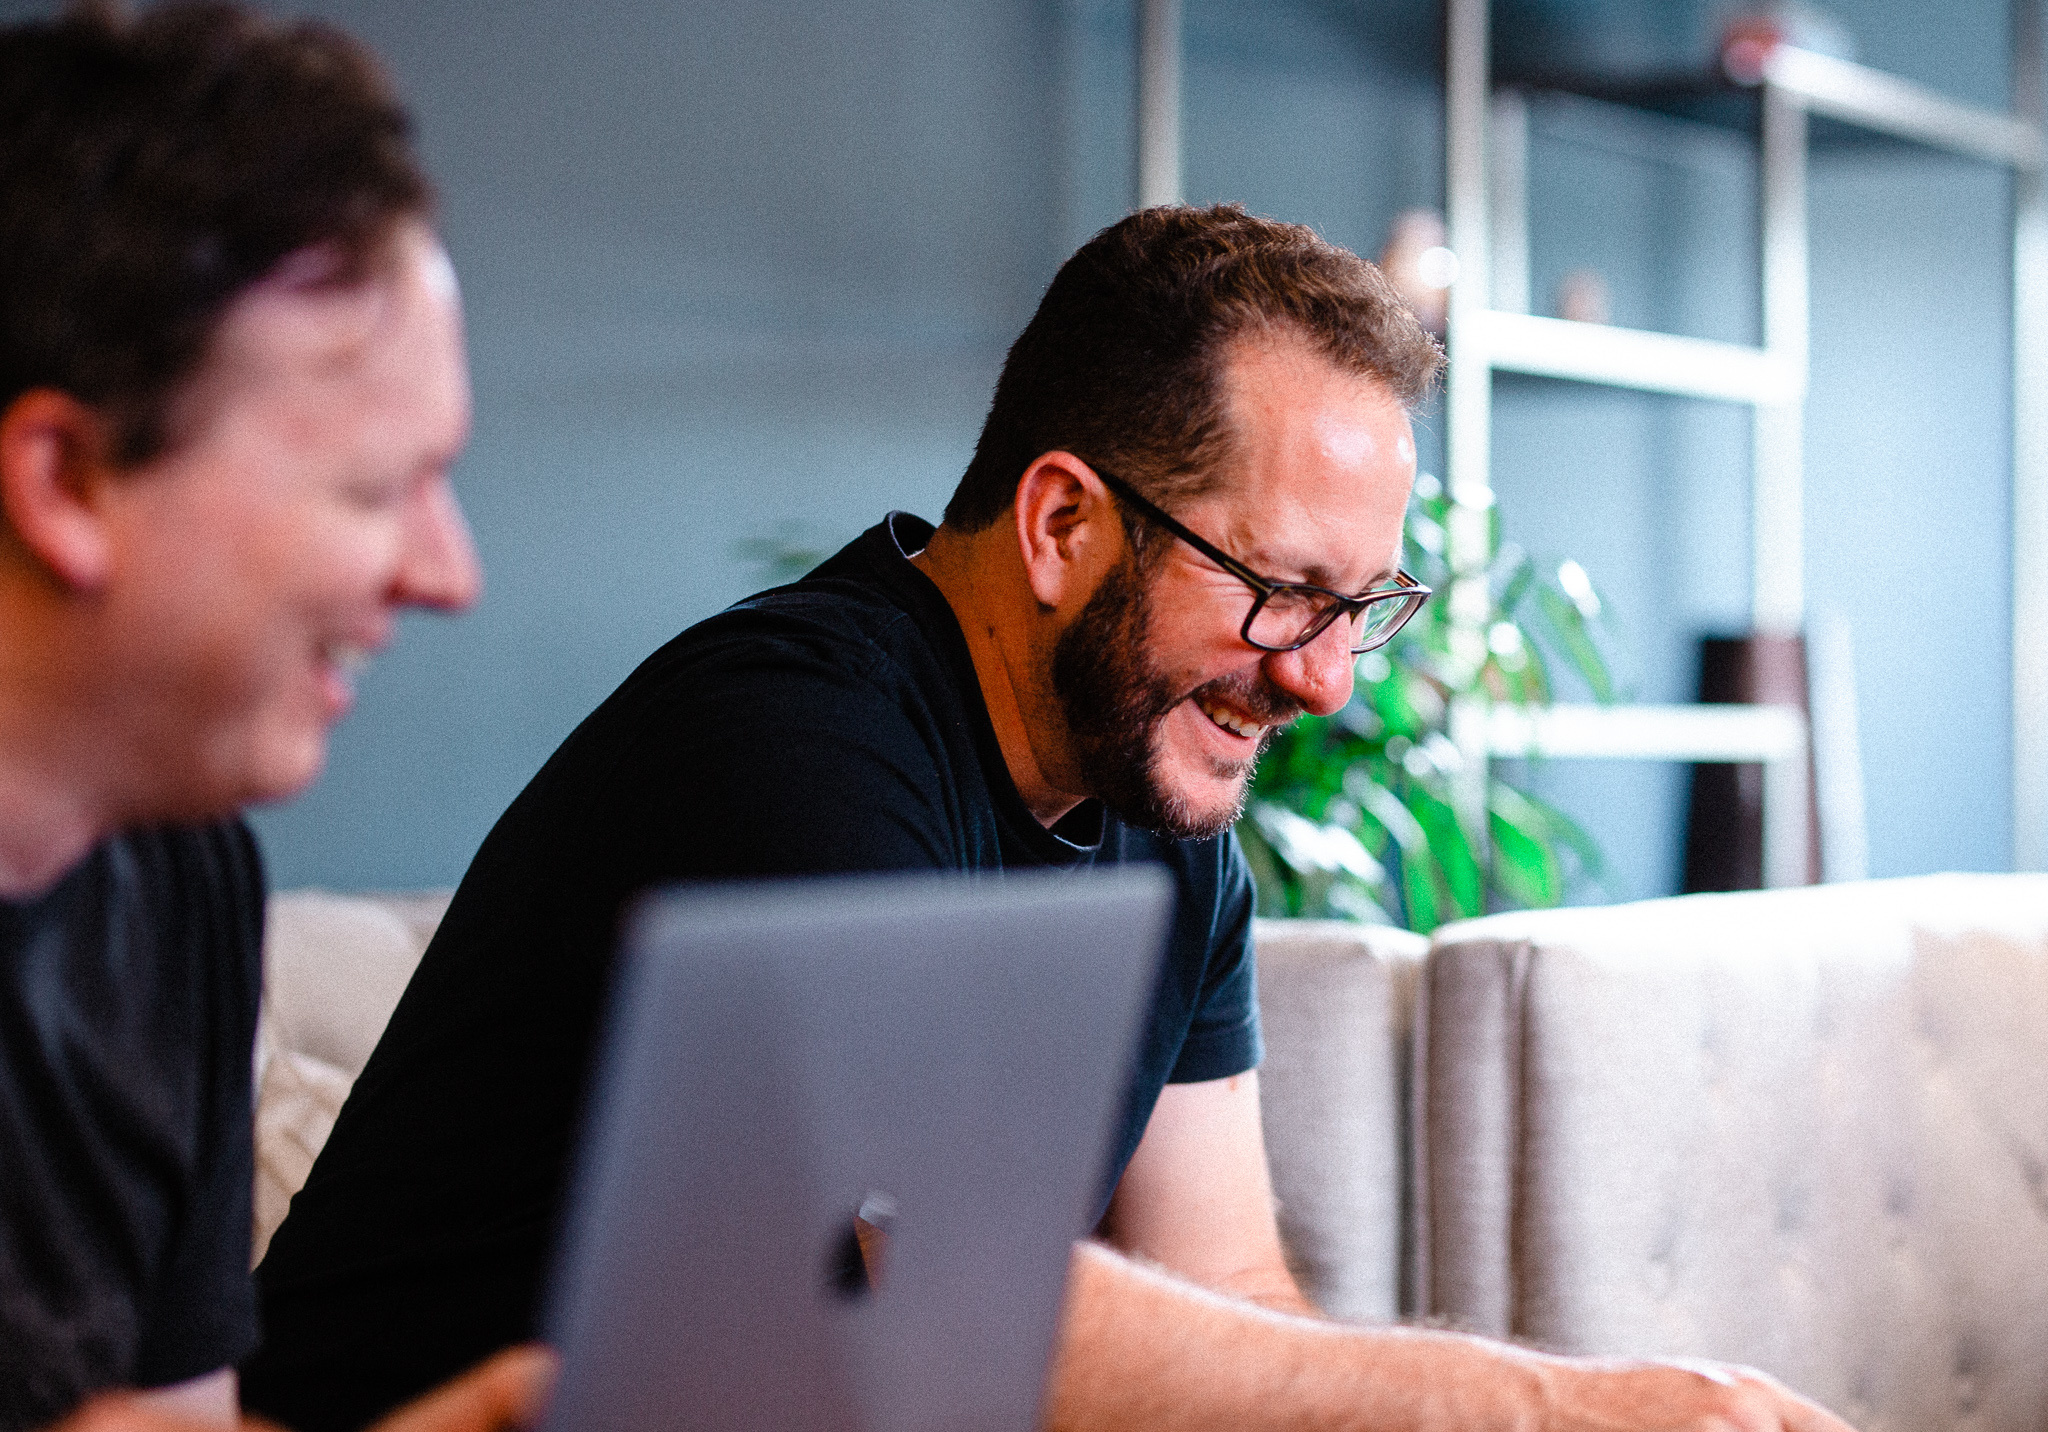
860,1252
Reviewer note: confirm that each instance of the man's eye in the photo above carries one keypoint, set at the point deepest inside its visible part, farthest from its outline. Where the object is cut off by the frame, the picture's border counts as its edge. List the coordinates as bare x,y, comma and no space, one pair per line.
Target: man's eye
1295,599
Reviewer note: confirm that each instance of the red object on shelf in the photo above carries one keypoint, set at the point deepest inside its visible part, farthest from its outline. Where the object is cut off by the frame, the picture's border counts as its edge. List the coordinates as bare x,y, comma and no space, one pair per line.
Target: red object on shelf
1748,48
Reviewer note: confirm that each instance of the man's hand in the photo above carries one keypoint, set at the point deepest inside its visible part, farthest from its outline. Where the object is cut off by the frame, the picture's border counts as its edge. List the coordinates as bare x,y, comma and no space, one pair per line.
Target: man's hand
1603,1395
507,1393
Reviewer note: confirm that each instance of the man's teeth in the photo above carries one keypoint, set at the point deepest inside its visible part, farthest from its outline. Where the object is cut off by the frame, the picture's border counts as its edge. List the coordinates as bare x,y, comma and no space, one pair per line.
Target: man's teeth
346,658
1233,723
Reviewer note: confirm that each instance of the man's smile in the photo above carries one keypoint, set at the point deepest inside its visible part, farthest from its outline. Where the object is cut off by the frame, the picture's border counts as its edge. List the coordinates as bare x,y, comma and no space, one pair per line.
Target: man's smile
1232,721
348,658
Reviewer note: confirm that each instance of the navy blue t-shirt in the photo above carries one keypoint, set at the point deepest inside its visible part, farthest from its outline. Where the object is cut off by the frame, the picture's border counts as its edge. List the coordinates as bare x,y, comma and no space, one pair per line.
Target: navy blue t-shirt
832,725
128,997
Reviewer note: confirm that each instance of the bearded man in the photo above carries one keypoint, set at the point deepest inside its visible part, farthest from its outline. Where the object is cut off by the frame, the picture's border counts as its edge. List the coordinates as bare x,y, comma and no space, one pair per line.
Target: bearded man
1180,525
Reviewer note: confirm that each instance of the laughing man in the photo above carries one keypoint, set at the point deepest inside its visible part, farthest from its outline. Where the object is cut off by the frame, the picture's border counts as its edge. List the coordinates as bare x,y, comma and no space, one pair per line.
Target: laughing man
1180,524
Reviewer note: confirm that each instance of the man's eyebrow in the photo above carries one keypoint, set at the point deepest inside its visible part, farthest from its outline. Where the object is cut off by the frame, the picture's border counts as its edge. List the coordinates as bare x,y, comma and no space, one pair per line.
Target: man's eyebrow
1318,575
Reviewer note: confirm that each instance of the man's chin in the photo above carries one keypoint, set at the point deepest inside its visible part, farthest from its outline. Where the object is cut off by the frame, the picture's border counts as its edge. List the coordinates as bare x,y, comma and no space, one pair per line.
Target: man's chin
279,775
1179,814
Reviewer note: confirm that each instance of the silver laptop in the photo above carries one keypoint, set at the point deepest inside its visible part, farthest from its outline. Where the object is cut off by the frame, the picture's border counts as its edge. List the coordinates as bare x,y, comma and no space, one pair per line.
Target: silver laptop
842,1138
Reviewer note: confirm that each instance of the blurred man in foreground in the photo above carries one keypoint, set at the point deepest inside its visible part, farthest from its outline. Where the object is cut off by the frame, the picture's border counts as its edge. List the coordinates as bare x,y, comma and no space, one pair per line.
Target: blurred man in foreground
231,388
1179,527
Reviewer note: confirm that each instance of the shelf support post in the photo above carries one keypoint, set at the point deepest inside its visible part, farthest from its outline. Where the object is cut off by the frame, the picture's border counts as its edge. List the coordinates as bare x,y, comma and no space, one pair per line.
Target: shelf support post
1777,506
1469,396
1507,184
1159,114
2029,460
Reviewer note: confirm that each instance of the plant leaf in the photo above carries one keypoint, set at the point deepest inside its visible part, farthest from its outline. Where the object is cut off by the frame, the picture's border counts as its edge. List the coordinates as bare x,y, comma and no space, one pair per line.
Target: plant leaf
1524,862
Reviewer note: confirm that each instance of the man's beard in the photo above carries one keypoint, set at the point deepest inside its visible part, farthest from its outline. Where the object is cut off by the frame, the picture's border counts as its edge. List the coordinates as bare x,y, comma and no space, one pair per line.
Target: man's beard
1115,702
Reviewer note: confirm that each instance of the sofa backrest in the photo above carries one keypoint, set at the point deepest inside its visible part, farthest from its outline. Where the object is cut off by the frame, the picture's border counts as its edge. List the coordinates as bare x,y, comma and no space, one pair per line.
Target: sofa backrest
1337,1001
1805,1130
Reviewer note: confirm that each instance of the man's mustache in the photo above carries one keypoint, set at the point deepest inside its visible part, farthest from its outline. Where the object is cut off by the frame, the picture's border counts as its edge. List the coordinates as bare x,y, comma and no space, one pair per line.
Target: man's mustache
1256,696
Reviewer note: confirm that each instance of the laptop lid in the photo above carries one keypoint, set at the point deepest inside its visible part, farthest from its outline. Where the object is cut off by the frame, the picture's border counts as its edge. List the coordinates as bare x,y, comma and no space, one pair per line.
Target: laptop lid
806,1082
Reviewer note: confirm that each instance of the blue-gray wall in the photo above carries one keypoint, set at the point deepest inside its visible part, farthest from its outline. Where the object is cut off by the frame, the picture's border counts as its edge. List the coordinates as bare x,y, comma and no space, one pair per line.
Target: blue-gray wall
744,273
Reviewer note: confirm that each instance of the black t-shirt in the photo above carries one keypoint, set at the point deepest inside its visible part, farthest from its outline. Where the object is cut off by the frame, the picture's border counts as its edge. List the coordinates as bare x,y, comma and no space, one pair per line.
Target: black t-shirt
128,1000
833,725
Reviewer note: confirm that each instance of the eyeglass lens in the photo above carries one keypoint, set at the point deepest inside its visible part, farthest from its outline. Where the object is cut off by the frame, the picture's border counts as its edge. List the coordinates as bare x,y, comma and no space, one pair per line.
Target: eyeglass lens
1290,615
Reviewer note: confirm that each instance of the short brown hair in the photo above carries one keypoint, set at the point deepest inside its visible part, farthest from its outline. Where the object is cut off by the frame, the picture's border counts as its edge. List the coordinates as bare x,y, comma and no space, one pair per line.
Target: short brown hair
1123,362
153,169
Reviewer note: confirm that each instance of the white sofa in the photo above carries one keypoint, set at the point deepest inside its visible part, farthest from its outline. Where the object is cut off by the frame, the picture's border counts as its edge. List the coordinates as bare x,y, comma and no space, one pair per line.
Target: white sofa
333,969
1807,1129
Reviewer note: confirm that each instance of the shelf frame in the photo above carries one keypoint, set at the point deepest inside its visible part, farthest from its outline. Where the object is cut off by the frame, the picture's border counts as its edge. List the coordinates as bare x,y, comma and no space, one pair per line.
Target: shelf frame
1486,188
1634,358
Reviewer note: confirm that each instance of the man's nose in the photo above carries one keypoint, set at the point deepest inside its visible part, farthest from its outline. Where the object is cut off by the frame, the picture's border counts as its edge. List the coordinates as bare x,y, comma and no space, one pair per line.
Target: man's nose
439,567
1317,675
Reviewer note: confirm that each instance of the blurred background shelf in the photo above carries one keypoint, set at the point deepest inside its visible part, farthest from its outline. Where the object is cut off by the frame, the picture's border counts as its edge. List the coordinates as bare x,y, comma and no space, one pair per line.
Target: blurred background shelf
1789,101
1633,358
1733,733
1851,105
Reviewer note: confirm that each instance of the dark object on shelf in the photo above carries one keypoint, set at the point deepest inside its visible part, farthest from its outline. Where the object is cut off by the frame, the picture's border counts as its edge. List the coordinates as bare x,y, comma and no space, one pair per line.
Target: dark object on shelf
1724,827
1712,99
1607,38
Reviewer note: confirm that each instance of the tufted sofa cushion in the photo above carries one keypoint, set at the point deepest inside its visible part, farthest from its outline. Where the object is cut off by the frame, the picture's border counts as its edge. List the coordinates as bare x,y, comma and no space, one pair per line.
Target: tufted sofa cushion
1337,1000
1805,1130
333,969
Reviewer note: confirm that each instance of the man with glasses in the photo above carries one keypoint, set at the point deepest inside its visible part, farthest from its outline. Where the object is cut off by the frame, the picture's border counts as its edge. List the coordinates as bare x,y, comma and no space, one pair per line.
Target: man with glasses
1178,530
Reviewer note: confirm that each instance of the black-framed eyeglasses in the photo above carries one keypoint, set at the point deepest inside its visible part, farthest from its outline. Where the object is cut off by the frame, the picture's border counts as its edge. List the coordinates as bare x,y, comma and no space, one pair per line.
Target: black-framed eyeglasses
1287,616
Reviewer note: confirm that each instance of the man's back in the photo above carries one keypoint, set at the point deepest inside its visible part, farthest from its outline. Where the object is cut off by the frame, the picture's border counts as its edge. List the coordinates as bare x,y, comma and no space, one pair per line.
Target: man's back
830,726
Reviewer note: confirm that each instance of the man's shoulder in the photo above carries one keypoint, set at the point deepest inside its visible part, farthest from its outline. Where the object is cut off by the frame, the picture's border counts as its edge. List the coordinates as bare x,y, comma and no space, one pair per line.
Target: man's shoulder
834,634
845,611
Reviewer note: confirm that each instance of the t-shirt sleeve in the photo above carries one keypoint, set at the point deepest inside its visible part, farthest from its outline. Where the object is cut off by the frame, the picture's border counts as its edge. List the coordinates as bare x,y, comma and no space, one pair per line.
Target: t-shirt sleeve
1223,1038
202,1311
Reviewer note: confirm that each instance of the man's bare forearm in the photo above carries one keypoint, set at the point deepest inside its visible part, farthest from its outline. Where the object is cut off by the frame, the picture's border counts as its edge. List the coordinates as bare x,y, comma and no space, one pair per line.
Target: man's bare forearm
505,1393
1139,1349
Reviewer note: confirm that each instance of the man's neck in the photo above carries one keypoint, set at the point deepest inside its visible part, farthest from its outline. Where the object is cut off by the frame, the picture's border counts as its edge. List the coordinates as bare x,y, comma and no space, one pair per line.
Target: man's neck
53,779
960,567
43,834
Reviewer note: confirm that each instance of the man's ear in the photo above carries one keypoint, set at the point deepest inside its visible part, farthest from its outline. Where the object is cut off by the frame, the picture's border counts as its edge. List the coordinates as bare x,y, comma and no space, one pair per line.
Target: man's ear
54,466
1068,529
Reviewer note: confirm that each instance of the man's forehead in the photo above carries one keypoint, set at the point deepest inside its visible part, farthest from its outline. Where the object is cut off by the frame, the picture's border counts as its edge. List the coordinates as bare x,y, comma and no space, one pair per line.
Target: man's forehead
323,326
297,330
1322,458
1272,374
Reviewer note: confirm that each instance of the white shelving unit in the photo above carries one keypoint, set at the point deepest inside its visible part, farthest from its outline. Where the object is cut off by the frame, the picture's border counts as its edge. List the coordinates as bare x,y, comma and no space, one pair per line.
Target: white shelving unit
1490,330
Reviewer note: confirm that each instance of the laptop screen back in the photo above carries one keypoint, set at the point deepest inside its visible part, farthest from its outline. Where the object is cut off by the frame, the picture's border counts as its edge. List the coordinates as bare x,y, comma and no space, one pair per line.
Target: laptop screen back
843,1136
